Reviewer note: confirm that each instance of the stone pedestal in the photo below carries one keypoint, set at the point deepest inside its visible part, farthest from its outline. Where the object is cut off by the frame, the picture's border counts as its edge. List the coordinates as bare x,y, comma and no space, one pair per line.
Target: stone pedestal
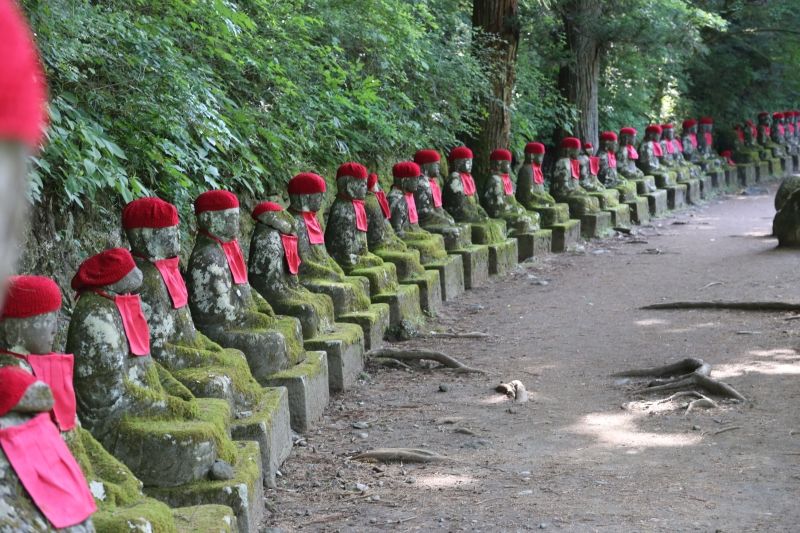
640,210
657,201
676,196
566,235
795,163
534,244
555,214
746,174
502,257
775,168
200,518
595,225
404,305
475,260
430,292
706,186
345,348
451,276
620,216
762,171
787,165
307,384
693,191
407,265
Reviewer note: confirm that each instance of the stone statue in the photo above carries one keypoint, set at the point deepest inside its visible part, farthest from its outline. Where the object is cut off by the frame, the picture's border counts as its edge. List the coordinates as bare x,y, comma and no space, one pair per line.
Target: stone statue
689,139
609,198
500,200
686,173
531,192
778,130
226,309
607,172
628,157
790,133
130,403
566,180
651,156
766,137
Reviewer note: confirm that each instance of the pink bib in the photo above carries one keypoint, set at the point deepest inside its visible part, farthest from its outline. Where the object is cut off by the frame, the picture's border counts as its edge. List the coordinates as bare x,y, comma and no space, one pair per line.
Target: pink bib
136,329
612,160
594,165
670,147
693,140
411,204
361,215
508,185
538,176
575,169
290,253
740,135
55,369
233,253
767,131
171,275
657,151
48,471
790,127
384,203
632,153
677,145
467,183
709,140
781,129
314,230
436,192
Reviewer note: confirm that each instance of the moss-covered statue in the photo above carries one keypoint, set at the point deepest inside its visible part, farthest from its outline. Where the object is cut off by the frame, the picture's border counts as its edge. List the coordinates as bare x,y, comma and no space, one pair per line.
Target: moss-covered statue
705,145
689,141
346,241
566,185
319,273
766,138
786,224
792,142
608,197
499,197
608,173
531,191
651,156
225,308
778,132
627,159
130,403
686,173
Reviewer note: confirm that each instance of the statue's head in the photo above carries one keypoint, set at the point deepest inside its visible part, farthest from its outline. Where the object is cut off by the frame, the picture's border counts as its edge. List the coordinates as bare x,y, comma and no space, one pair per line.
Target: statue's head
460,159
652,132
706,124
429,162
306,192
29,321
777,118
406,175
21,392
689,126
217,213
151,225
113,271
608,141
500,160
763,119
627,135
570,147
534,153
373,185
351,180
588,149
273,215
667,132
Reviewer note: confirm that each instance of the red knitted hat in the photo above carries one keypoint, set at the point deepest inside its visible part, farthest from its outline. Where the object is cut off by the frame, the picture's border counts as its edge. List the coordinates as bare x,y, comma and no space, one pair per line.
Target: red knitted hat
627,131
588,146
306,183
149,212
29,296
688,123
372,179
406,169
355,170
460,152
571,143
534,148
215,201
706,120
14,381
23,91
777,114
667,127
726,153
423,157
763,114
608,136
501,154
263,207
103,269
653,128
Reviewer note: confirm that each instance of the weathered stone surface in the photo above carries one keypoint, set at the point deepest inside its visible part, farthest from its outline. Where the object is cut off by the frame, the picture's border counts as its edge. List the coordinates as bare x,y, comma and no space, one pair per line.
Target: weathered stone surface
595,225
345,349
747,174
502,257
566,235
657,202
676,196
639,210
535,244
216,518
307,384
500,202
451,276
553,214
693,192
620,216
475,260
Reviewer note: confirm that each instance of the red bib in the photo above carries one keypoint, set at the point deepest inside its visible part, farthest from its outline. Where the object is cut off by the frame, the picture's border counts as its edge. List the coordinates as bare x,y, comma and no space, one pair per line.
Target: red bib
467,183
781,130
413,218
709,140
55,369
136,329
508,185
632,153
384,203
361,214
538,176
754,131
290,253
767,131
594,165
677,145
612,159
693,140
670,147
48,471
314,230
234,258
790,127
657,151
171,275
575,169
740,135
436,192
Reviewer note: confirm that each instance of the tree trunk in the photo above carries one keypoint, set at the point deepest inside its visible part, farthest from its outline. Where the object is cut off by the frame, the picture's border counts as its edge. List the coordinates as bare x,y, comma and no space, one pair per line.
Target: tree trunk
578,80
499,19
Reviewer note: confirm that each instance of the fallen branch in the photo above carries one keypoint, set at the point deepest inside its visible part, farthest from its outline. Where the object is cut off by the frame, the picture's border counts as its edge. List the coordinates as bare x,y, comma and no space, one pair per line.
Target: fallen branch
700,402
419,355
724,430
404,455
468,335
738,306
514,389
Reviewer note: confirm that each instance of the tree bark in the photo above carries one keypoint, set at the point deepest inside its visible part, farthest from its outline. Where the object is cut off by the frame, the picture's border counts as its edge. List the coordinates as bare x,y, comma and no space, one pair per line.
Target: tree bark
579,79
498,19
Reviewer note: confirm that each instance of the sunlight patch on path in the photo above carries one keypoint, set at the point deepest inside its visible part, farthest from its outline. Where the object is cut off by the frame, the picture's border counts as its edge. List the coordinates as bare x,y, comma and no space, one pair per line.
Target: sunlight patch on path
620,430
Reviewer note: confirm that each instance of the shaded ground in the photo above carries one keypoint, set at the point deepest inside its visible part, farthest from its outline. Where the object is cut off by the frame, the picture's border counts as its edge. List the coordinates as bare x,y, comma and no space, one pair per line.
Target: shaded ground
572,458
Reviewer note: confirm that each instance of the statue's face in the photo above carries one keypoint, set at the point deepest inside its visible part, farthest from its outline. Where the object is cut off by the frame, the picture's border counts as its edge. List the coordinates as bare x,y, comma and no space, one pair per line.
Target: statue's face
652,136
224,224
352,187
155,243
501,167
34,334
131,283
409,184
432,170
610,146
537,158
572,153
279,220
462,165
669,134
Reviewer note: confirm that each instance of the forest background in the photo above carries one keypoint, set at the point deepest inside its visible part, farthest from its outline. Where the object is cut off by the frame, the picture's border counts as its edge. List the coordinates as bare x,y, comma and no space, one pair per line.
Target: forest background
174,97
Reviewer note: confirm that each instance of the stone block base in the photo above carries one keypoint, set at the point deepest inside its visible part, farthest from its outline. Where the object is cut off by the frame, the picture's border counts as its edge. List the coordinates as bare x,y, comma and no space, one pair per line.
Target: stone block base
787,165
595,224
762,171
676,196
217,518
269,426
716,180
430,292
565,235
502,257
746,174
404,308
476,265
640,210
345,349
307,383
795,164
693,190
244,494
620,216
373,322
555,214
645,185
451,276
534,244
775,168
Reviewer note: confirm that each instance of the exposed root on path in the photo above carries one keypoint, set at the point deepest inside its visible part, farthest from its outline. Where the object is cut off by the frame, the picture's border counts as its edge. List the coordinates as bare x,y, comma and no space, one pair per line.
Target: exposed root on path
514,389
399,455
467,335
420,355
736,306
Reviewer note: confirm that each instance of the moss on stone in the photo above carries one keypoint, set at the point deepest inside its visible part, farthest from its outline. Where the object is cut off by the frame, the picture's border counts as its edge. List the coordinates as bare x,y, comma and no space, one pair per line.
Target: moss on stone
198,518
491,231
145,516
344,332
382,279
311,367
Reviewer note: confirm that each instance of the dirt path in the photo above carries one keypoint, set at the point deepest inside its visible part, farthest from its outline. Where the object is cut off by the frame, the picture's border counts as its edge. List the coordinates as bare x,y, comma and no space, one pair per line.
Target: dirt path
572,458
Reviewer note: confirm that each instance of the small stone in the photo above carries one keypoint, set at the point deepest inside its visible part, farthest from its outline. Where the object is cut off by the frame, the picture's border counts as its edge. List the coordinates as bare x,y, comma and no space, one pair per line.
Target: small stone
444,387
543,526
373,520
375,498
221,471
244,414
360,425
362,435
410,480
695,428
541,282
360,487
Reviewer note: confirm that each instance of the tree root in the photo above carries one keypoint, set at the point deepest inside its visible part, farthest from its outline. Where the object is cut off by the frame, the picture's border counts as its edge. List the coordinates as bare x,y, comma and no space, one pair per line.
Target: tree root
396,455
688,373
514,389
467,335
739,306
685,366
419,355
